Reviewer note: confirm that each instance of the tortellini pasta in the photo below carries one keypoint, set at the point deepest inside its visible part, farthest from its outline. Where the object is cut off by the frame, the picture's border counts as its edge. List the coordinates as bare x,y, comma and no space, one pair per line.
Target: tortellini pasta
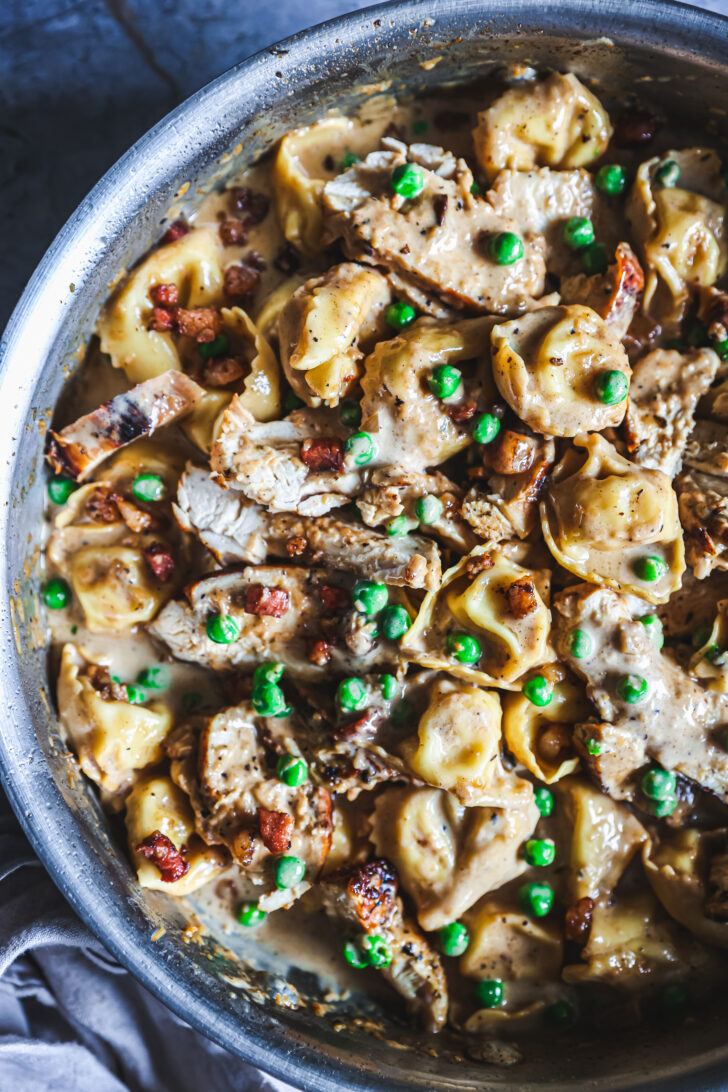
553,122
611,522
194,265
710,660
112,738
680,229
323,326
540,738
500,606
458,746
547,364
115,587
678,866
157,804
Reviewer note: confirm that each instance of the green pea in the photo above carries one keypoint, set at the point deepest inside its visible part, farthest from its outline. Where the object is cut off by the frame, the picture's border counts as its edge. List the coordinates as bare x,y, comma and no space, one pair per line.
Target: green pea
368,597
56,593
580,644
538,691
399,315
594,258
650,568
490,992
398,526
407,180
428,508
475,188
156,677
611,179
487,427
360,446
653,625
292,401
216,347
268,673
354,956
249,914
352,694
288,871
540,852
268,700
222,629
60,489
444,380
419,126
463,648
714,655
135,695
658,784
632,688
148,487
560,1014
544,799
593,746
402,713
611,387
349,160
388,686
578,232
668,173
350,413
505,248
536,899
376,951
454,939
394,622
191,700
721,348
701,636
674,999
662,808
291,770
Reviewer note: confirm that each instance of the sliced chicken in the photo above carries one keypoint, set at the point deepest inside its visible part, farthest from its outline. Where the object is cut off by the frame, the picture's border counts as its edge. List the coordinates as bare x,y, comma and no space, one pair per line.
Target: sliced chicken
676,722
666,387
436,244
365,899
392,492
79,448
703,507
236,530
615,295
504,503
707,447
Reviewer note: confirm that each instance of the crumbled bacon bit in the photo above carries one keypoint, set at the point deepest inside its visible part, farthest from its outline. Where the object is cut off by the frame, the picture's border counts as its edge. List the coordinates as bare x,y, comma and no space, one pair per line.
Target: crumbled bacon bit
287,260
323,453
579,921
335,600
459,414
254,206
135,518
440,207
201,323
521,597
510,453
233,232
479,564
99,677
164,295
634,128
163,853
276,828
240,280
364,727
296,546
175,231
101,507
161,320
262,600
372,888
159,560
319,652
554,742
222,370
255,260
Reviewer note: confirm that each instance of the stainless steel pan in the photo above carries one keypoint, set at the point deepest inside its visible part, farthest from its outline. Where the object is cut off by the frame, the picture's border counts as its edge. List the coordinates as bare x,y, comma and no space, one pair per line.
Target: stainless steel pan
684,54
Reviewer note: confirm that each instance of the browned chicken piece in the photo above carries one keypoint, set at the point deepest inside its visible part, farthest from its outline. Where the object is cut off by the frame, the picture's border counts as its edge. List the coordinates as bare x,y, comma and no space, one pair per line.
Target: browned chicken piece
236,530
665,389
228,769
703,506
707,447
504,503
434,245
364,898
79,448
693,605
615,295
393,492
675,722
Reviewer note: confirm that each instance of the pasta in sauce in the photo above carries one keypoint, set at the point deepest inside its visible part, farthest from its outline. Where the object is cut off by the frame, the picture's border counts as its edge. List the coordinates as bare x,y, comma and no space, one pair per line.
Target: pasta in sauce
385,549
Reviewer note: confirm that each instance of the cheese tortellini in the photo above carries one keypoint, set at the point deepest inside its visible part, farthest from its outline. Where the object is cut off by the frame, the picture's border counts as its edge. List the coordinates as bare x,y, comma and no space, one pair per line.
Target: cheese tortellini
547,365
688,871
540,738
111,737
680,229
323,328
611,522
115,587
157,804
553,122
710,660
501,607
194,264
